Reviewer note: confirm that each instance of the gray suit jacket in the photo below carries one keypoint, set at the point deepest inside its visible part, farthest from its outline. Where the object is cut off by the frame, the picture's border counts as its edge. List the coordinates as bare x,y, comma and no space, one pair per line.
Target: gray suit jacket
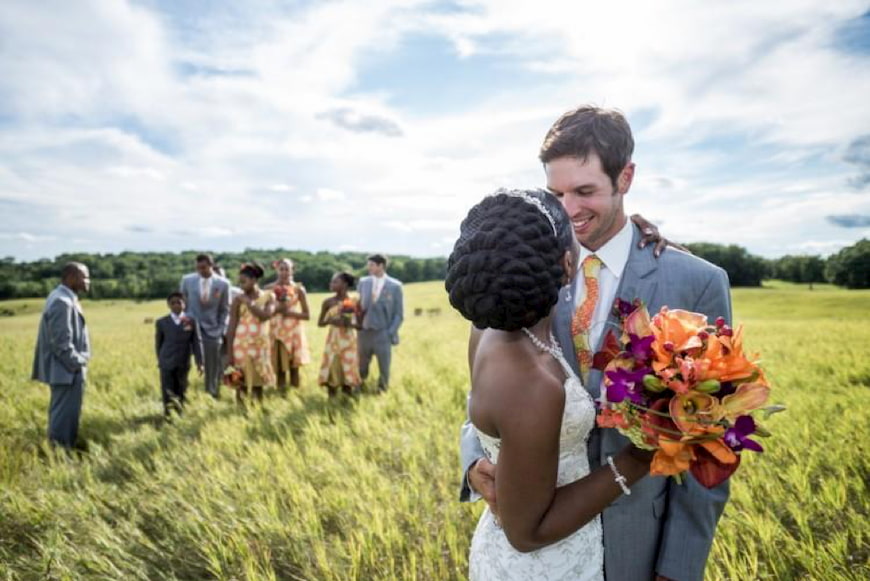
62,346
213,315
662,527
385,313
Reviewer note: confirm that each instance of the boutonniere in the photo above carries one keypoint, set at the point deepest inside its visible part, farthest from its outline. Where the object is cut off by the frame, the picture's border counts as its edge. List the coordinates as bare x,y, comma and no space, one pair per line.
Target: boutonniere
186,323
216,293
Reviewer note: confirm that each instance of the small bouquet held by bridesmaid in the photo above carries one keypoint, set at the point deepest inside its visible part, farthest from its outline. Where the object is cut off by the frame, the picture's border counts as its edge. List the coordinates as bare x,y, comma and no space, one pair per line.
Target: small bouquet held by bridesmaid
233,377
680,386
349,309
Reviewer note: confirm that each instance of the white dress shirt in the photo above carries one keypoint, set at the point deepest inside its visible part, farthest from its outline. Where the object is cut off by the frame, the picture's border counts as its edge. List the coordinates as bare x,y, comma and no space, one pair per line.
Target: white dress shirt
177,318
613,256
204,289
378,286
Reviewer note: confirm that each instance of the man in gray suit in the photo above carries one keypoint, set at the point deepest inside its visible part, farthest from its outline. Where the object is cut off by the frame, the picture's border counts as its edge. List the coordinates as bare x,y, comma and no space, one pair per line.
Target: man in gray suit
382,313
207,298
62,353
664,530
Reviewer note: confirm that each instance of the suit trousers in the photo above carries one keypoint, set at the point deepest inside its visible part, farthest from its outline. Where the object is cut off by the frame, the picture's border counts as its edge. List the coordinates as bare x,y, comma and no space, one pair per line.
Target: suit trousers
213,364
173,386
65,410
377,343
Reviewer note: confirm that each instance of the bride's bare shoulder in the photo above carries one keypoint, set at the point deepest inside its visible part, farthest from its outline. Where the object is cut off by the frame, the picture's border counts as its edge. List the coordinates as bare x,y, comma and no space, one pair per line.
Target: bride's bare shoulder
508,375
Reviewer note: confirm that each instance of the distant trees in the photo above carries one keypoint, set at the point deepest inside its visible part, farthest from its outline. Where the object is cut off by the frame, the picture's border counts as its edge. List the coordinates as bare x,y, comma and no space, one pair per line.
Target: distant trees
805,269
146,275
743,269
850,267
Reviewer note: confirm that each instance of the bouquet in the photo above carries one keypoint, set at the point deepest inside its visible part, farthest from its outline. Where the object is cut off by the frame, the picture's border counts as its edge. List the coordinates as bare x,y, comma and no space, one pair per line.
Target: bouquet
233,377
280,293
348,310
684,388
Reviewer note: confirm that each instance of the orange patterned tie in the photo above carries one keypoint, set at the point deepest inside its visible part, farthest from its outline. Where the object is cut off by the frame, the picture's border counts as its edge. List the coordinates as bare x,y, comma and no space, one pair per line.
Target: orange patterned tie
583,316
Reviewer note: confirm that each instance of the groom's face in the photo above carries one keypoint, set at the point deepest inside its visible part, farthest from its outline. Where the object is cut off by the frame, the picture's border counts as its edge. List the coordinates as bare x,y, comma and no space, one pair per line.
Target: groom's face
589,197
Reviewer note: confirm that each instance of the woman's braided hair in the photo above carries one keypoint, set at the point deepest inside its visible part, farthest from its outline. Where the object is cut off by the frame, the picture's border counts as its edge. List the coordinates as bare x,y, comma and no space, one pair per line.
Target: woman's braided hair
505,270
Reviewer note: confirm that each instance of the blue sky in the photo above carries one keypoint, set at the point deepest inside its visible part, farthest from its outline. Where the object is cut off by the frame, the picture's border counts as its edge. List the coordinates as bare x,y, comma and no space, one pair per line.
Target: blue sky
374,125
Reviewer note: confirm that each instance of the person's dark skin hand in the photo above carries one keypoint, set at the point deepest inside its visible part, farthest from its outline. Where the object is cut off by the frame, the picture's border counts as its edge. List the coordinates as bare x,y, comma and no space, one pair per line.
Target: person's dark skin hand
651,235
663,578
481,477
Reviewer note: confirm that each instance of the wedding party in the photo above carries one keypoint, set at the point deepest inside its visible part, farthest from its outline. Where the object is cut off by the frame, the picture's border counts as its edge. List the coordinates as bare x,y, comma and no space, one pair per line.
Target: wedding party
461,291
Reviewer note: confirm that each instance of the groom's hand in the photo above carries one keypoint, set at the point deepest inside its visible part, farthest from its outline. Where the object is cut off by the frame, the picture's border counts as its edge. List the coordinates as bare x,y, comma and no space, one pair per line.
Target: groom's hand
481,477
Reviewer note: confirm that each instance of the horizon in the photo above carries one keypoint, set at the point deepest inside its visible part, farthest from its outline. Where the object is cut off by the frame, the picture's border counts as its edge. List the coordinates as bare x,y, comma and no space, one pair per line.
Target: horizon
147,125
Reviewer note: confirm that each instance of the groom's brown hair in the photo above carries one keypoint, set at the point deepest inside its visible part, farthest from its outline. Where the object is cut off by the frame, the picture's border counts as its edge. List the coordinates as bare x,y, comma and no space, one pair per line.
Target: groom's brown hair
589,129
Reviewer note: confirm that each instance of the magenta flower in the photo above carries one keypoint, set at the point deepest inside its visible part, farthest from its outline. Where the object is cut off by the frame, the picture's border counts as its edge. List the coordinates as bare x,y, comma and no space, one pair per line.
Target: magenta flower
640,347
626,384
737,437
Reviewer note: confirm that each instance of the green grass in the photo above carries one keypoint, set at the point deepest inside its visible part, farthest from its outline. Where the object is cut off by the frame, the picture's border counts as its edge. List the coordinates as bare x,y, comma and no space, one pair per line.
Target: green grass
311,489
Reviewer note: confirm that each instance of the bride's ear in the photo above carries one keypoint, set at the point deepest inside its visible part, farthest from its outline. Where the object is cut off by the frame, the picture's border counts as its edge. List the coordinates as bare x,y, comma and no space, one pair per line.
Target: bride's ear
568,266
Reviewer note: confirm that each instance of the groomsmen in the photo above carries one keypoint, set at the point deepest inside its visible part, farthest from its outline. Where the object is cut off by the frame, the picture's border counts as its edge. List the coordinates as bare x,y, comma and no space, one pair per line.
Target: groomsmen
382,312
62,354
207,298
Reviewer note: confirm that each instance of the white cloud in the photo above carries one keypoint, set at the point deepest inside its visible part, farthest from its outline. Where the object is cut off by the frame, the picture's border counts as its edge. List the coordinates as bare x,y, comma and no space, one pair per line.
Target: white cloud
327,194
224,124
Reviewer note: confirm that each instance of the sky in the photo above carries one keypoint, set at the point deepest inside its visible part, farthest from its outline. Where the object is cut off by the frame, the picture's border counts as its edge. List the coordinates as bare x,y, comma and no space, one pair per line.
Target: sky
374,125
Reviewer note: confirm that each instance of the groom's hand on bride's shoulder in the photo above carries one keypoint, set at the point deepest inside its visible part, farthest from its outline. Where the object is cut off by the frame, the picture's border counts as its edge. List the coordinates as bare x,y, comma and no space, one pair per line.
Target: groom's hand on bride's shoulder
481,477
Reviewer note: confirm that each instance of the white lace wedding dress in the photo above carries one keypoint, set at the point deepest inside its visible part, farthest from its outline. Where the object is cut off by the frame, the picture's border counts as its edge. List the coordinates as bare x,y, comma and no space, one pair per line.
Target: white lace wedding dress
579,557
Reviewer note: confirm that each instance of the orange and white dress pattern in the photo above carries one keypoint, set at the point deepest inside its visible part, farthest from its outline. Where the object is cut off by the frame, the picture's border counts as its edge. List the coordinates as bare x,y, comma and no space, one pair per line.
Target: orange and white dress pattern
290,332
252,346
340,363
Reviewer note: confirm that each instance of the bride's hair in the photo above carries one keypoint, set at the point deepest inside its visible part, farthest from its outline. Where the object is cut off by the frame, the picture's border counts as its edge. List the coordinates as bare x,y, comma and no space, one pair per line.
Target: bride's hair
505,270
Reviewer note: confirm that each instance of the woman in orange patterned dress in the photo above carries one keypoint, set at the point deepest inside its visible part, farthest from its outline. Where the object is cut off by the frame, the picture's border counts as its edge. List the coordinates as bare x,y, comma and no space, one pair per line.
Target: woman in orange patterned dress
289,344
248,333
340,365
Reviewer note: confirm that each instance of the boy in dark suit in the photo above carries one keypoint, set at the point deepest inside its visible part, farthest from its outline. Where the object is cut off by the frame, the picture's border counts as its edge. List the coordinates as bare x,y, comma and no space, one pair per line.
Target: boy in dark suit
177,337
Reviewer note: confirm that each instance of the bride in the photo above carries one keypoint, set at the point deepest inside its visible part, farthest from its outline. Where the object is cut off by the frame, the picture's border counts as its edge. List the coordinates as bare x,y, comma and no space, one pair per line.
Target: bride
531,412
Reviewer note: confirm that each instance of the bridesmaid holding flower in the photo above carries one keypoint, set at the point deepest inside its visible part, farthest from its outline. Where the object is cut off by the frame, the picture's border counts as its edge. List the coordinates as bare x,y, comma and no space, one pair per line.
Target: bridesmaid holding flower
289,343
340,365
248,334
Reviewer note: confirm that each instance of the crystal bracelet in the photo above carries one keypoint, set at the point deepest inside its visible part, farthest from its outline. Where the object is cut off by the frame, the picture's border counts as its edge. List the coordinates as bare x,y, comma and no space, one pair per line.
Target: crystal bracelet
619,478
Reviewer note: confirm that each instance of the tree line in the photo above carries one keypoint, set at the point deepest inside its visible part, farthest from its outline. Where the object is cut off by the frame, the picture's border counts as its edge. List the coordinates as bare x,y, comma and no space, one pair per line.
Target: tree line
151,275
850,267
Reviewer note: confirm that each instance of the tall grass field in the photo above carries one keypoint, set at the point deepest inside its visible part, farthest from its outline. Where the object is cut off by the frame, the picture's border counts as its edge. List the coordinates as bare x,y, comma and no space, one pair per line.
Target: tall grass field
304,488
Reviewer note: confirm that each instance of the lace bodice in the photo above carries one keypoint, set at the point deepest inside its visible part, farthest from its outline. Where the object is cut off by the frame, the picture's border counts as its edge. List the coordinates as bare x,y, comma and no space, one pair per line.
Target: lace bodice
577,557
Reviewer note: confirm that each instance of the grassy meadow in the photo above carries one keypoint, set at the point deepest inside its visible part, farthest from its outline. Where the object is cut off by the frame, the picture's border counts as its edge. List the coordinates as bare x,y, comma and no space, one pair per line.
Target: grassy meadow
310,489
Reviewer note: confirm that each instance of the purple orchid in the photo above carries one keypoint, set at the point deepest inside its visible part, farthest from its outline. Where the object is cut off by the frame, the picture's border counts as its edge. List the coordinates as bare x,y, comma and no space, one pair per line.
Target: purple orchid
640,347
623,308
623,383
737,437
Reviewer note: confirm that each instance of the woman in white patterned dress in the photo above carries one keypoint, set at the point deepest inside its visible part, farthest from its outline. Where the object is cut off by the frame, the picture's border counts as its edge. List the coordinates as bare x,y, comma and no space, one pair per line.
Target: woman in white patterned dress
533,416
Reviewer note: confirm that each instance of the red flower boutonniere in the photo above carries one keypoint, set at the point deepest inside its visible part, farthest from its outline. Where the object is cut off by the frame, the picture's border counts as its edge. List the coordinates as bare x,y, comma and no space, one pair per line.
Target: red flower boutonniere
186,323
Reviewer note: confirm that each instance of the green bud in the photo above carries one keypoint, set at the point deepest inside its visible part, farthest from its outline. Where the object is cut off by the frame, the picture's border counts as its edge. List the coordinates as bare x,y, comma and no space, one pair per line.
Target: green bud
653,383
708,386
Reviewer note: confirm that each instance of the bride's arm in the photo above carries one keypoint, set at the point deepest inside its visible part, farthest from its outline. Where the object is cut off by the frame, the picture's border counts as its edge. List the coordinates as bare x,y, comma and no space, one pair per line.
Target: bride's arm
528,417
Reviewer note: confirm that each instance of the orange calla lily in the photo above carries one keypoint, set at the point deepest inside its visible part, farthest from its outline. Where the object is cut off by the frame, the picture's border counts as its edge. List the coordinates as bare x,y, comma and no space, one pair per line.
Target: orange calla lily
747,397
637,323
693,412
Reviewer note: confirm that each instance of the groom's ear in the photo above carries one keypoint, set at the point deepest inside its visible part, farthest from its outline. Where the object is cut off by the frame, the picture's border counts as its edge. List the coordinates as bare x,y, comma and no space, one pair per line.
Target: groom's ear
626,176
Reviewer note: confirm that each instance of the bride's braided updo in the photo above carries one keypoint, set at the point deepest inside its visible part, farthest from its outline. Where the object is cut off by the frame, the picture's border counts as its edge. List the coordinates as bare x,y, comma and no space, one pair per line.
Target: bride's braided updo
505,270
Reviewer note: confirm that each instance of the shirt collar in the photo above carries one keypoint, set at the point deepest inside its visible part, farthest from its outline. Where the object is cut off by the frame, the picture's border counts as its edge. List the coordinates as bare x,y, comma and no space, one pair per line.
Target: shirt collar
177,318
614,253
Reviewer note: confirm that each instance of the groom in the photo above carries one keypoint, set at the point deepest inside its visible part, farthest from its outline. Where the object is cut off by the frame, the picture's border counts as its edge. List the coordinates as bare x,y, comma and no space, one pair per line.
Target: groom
664,530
